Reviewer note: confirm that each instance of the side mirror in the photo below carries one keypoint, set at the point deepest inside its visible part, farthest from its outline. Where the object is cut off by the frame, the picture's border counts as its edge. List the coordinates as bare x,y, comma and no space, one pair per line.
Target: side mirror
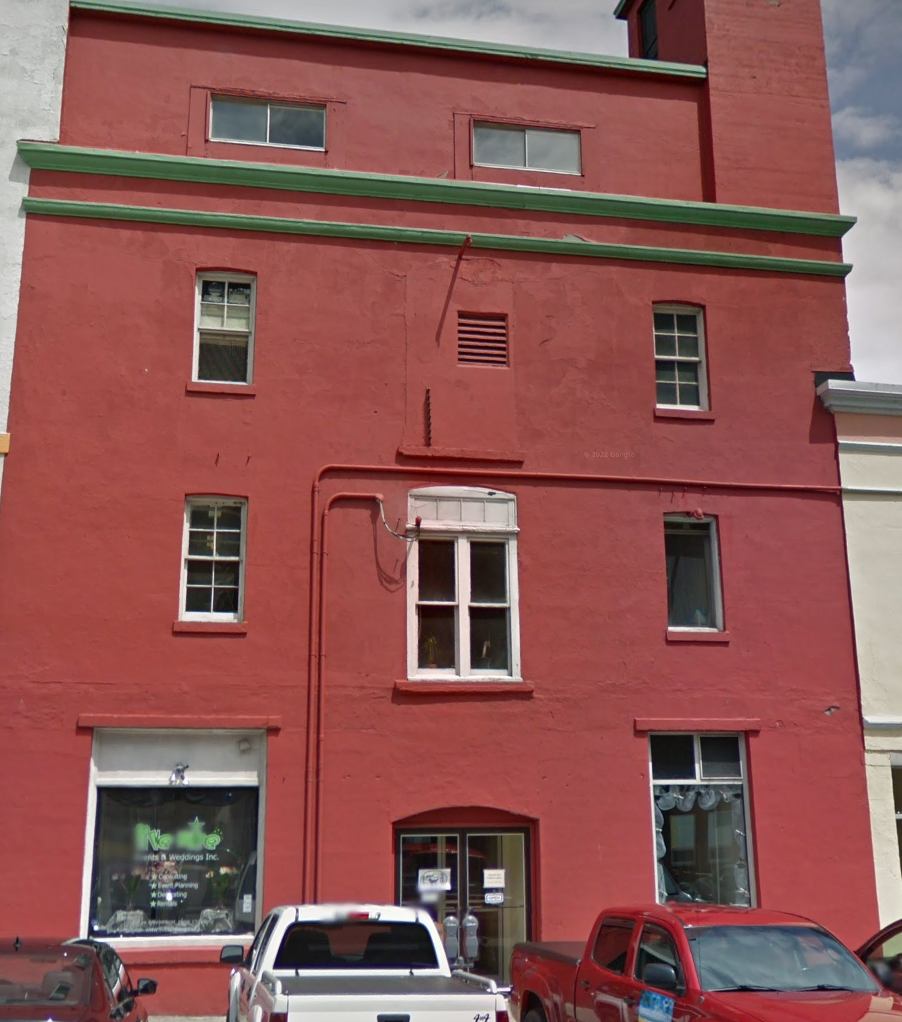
145,987
232,954
660,976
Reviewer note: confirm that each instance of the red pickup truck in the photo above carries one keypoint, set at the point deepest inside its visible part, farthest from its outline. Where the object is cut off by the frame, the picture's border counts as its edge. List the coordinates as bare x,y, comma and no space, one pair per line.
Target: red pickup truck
681,962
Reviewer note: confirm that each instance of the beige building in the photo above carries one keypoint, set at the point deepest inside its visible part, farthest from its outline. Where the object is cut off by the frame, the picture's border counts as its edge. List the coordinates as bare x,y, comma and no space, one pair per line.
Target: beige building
869,432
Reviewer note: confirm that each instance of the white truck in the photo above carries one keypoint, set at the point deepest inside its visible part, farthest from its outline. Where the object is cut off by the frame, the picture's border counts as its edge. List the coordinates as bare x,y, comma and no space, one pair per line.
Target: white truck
354,963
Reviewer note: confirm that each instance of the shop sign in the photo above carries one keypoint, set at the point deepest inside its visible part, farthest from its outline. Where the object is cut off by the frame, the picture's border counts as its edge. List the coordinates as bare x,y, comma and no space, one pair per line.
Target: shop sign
494,897
434,880
493,878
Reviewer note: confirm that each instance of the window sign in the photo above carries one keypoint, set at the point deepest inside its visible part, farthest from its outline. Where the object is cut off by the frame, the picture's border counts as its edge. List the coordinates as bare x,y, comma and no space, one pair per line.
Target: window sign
434,880
174,861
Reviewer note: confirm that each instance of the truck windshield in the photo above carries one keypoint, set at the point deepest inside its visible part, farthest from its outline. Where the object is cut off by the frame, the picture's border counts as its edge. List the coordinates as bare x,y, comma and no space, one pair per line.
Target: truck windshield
357,944
749,958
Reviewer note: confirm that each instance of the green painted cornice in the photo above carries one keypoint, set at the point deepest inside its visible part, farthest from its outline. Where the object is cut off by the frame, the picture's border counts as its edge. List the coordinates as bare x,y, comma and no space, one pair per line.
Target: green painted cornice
47,156
620,9
465,47
418,236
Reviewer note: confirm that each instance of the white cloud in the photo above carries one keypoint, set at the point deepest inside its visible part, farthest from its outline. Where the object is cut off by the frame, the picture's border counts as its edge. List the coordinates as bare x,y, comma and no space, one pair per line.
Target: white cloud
872,191
564,24
858,129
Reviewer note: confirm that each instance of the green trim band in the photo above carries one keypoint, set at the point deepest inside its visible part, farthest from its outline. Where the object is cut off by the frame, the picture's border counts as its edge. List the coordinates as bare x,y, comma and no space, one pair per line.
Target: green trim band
621,7
427,42
418,236
47,156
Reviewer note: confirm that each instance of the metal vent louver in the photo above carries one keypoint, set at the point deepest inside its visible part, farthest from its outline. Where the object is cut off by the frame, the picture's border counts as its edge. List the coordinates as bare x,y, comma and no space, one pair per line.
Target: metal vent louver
482,339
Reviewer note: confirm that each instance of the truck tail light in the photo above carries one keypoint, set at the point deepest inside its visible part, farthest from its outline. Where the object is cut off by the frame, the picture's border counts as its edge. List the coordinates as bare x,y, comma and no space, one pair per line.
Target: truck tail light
279,1016
500,1016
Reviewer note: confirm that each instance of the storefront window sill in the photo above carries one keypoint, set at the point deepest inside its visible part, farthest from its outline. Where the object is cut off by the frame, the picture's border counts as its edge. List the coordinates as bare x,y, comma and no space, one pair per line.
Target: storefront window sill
231,389
465,688
689,635
694,414
209,627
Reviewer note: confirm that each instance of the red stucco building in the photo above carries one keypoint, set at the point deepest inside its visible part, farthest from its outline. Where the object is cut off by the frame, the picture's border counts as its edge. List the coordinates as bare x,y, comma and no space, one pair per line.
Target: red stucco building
418,489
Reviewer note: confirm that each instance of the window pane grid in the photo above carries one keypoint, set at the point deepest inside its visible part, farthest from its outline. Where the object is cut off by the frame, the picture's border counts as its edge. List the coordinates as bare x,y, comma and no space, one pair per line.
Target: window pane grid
521,148
287,125
678,359
213,560
224,333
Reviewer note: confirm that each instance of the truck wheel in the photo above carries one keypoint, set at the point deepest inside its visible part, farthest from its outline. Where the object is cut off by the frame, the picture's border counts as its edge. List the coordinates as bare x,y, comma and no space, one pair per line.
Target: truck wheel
534,1015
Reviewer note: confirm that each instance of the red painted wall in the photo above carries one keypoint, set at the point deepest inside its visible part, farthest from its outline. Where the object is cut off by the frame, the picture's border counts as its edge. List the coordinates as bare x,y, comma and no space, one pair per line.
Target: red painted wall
108,444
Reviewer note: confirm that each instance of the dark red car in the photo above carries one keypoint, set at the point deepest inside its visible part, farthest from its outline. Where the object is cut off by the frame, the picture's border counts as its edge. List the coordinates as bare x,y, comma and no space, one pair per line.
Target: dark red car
68,981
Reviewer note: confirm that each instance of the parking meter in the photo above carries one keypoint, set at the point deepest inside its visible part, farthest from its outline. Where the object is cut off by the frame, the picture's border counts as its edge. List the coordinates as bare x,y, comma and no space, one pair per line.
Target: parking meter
452,940
470,927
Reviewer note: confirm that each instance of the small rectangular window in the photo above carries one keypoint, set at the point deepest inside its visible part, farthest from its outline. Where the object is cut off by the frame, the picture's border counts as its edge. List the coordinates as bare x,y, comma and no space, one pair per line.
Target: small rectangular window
521,148
293,125
693,574
213,560
481,339
680,379
224,332
648,30
700,818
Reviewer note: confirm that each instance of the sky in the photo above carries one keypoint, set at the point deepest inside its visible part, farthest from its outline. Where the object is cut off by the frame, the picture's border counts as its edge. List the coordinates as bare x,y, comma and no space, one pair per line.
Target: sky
864,46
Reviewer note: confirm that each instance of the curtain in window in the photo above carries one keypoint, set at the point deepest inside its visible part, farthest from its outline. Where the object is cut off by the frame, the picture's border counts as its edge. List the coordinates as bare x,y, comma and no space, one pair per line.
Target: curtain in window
726,878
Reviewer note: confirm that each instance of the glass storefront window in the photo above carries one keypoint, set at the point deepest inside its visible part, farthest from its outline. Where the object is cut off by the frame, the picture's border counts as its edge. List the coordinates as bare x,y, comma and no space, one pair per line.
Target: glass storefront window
699,806
174,861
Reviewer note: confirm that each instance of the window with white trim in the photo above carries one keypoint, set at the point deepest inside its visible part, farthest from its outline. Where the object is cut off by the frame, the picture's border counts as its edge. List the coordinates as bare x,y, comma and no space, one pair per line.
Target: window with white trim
213,559
700,813
517,147
175,831
224,328
463,619
694,598
259,122
680,373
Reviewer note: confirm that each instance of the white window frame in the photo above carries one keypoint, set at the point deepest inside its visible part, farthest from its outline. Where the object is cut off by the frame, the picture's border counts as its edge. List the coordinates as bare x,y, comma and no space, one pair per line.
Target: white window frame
213,759
226,277
269,104
201,501
526,128
714,570
708,781
461,531
702,361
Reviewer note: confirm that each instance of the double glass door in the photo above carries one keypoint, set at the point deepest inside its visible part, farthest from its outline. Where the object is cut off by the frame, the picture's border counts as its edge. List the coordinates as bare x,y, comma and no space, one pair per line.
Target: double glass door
481,872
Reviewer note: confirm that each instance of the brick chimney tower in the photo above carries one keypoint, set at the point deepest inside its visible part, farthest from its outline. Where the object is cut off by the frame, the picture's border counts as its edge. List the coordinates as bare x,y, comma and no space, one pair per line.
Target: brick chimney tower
770,140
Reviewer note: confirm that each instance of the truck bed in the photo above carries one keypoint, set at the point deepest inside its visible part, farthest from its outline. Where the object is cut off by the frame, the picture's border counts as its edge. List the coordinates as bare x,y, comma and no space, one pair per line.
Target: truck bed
568,952
377,986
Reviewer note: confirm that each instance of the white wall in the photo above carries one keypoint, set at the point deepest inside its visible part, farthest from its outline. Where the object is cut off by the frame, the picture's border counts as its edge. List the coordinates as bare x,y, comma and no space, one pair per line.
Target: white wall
874,543
874,546
32,54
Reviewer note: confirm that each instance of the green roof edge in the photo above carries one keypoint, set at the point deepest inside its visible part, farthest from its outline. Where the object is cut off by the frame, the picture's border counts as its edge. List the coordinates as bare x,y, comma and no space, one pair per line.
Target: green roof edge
619,9
465,46
419,236
50,156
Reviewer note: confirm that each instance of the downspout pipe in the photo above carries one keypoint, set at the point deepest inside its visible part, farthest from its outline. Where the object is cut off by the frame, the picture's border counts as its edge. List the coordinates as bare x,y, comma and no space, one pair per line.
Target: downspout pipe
316,630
